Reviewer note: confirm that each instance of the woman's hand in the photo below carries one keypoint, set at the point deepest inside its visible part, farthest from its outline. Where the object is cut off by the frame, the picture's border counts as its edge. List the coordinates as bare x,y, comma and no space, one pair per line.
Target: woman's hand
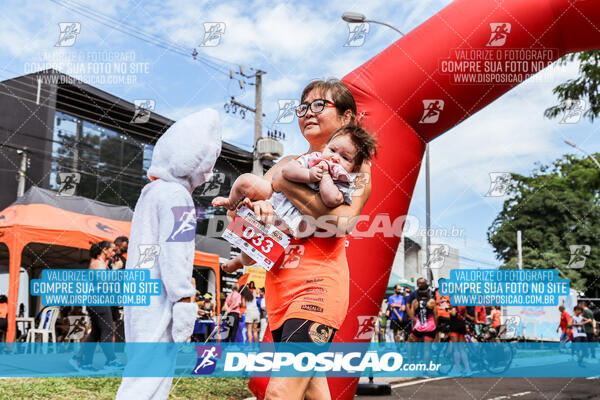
263,209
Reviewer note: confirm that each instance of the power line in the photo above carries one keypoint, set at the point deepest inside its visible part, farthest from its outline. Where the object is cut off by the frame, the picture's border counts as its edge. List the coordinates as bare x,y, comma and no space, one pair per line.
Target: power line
93,102
144,36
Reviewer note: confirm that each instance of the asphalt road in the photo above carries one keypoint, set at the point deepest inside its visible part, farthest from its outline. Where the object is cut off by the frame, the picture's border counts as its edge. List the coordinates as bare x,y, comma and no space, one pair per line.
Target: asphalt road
495,389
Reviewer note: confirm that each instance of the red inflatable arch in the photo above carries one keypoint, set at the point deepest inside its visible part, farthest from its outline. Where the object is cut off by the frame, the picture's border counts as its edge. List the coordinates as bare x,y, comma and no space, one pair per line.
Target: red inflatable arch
409,95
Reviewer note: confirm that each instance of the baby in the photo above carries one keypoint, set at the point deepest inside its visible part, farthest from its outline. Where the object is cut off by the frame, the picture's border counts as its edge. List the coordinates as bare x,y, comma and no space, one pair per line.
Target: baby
330,173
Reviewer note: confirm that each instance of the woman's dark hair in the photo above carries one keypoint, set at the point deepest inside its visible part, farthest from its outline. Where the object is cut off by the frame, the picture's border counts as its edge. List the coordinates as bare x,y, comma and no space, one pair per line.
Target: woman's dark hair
251,285
3,298
121,239
364,142
247,293
97,248
340,94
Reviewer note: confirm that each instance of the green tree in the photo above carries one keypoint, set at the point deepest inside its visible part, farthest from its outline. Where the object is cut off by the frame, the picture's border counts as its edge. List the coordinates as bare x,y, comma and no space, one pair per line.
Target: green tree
555,207
584,87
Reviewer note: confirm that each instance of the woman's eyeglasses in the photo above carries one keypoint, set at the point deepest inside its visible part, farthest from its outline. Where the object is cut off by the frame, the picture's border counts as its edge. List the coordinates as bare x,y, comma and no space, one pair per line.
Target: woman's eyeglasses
316,106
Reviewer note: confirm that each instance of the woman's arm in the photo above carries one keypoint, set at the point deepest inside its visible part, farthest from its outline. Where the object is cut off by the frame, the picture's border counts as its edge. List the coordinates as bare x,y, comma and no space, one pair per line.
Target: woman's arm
309,202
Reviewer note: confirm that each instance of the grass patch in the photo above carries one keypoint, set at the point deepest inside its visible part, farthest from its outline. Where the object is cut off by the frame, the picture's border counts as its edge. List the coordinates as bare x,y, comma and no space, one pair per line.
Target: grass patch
106,388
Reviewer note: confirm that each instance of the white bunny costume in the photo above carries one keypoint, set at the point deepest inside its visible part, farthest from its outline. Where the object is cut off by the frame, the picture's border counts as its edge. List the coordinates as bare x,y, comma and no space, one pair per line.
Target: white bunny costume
183,159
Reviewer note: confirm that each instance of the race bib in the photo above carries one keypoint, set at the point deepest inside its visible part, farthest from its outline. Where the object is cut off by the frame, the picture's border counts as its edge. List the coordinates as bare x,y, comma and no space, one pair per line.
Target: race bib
263,243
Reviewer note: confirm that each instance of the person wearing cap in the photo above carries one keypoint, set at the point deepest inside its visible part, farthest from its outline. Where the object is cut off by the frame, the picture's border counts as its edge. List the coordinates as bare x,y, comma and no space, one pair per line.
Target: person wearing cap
206,310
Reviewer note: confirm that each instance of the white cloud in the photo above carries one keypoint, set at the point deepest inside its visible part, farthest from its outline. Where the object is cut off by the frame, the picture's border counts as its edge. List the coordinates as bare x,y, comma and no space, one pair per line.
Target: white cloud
30,27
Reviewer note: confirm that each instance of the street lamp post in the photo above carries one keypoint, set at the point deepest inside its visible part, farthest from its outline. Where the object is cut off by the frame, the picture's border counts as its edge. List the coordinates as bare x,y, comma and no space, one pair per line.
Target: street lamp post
373,388
584,152
357,18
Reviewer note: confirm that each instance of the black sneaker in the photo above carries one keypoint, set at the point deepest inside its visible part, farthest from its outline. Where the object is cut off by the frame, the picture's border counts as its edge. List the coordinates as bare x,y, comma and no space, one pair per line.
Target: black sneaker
114,364
88,368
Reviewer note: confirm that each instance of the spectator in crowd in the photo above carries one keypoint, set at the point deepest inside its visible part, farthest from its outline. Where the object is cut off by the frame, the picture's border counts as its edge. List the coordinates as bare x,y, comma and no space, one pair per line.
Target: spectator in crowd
3,314
458,330
470,319
380,325
206,308
579,335
495,315
443,307
563,325
262,307
589,327
206,312
397,308
413,295
118,261
480,319
406,322
121,247
252,313
101,317
233,302
388,332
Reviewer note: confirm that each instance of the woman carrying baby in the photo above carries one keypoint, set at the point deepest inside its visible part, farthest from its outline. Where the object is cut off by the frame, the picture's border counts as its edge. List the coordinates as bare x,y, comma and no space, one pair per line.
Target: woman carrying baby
307,300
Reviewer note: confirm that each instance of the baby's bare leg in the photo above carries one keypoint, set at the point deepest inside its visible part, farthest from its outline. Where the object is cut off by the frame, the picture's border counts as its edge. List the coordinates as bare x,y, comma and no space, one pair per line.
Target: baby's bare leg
246,260
233,265
246,185
237,263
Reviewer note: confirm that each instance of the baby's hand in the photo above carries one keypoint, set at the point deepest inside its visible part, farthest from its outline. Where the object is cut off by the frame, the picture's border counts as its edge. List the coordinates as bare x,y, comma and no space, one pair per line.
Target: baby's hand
222,202
315,173
324,167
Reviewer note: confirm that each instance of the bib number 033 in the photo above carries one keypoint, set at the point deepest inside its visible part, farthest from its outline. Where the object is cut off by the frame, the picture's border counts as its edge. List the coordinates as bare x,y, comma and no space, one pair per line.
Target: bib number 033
258,239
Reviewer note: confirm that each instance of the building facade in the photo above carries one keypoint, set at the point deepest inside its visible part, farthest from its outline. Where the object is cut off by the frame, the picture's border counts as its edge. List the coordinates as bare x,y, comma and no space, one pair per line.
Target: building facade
52,126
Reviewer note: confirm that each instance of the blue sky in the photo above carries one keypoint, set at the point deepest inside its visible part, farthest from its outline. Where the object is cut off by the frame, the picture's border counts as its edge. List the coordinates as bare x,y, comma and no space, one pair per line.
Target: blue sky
295,42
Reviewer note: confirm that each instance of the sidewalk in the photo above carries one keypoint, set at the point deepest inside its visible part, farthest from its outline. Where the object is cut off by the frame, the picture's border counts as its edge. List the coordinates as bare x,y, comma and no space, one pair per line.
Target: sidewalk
390,380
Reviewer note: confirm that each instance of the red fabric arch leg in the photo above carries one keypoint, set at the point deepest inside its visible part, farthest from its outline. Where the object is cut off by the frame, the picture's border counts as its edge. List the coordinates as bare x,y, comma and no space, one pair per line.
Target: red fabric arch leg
390,89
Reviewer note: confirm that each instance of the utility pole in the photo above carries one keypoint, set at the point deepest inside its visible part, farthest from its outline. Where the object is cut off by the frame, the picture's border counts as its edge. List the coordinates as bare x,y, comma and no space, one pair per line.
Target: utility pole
78,135
22,171
428,217
519,250
257,167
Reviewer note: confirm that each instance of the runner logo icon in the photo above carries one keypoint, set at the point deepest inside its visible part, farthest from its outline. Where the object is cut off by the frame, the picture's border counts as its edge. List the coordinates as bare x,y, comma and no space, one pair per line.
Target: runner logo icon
574,110
579,253
185,224
287,110
207,359
500,31
143,109
366,327
438,252
358,34
68,33
68,183
212,34
499,184
432,111
148,255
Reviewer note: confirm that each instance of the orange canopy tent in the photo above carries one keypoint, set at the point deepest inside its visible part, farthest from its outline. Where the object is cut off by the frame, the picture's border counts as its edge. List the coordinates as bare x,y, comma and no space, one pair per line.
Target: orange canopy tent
38,227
